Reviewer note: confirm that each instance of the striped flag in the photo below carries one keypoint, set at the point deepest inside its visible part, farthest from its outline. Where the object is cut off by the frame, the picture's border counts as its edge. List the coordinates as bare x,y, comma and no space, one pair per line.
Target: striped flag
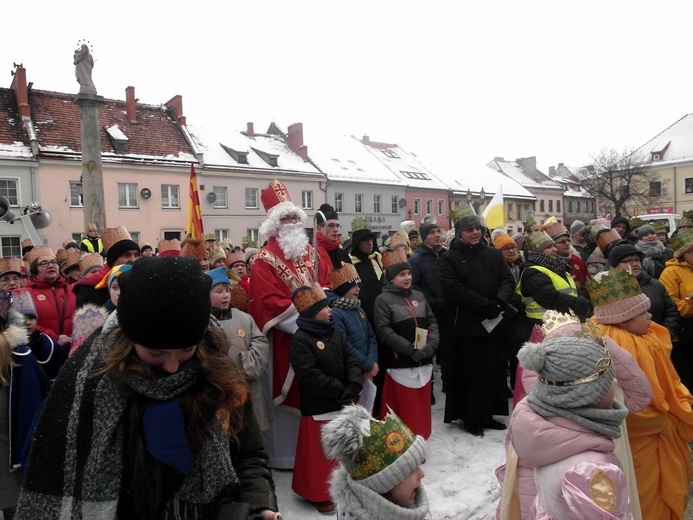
194,228
495,211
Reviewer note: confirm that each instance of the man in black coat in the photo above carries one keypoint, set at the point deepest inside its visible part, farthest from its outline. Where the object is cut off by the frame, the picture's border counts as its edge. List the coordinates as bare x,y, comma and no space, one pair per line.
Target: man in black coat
478,287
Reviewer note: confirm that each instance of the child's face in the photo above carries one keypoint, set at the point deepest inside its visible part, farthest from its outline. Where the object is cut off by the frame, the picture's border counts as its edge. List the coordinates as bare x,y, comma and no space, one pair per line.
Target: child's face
353,293
403,279
114,291
30,324
638,325
404,493
608,400
324,314
220,296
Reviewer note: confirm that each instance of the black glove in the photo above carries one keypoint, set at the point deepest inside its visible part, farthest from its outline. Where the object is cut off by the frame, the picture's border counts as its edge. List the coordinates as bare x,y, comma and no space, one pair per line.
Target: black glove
348,395
428,351
417,354
493,309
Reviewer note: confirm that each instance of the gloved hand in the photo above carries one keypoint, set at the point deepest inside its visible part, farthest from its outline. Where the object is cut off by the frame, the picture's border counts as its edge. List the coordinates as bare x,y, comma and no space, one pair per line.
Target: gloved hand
348,395
428,351
417,354
493,309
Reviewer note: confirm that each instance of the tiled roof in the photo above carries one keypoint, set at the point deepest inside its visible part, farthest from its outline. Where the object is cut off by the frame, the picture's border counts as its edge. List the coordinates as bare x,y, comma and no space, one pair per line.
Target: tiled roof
674,143
14,143
153,137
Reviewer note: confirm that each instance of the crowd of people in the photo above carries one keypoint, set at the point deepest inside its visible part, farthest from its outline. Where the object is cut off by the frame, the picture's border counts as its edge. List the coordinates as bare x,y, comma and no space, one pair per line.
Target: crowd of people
141,381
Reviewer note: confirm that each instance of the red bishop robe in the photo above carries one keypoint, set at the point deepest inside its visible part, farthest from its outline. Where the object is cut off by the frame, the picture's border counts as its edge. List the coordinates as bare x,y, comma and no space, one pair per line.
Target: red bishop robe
273,279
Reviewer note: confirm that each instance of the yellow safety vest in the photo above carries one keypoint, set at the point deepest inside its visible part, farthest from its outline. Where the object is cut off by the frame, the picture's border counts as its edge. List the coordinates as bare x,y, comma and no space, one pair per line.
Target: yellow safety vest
564,285
90,246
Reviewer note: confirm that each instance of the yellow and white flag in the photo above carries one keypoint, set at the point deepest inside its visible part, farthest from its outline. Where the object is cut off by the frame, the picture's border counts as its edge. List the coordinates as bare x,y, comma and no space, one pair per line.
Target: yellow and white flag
494,214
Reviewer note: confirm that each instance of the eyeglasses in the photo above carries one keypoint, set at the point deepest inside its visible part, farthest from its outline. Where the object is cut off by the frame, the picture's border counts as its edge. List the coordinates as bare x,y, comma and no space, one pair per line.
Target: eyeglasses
630,261
561,242
46,263
289,218
509,249
472,229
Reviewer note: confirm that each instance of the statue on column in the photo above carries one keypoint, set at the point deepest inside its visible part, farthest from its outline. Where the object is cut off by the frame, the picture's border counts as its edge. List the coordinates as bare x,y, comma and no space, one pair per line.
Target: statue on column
84,63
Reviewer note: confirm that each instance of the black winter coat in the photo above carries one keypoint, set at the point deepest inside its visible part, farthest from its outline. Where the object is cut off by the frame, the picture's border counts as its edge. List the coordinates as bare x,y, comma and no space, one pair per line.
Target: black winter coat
426,278
327,372
662,307
472,276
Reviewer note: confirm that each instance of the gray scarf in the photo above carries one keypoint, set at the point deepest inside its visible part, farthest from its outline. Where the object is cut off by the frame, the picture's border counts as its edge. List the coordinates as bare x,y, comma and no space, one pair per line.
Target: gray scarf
651,251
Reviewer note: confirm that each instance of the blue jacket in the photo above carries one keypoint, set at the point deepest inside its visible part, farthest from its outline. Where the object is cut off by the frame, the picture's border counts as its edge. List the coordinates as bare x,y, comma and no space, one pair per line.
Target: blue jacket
359,334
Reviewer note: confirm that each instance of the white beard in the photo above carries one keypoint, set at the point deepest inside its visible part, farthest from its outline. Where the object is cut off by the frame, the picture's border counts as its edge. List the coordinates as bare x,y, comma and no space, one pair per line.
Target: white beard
293,241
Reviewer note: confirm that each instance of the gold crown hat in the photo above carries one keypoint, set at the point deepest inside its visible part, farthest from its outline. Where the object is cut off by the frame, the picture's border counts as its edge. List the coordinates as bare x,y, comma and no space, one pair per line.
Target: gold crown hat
38,251
239,298
234,258
89,260
310,299
658,225
210,236
604,236
226,244
539,240
553,321
216,253
113,235
616,296
60,255
27,242
345,275
193,247
554,228
399,239
682,242
73,258
91,227
391,258
377,454
684,222
168,247
11,265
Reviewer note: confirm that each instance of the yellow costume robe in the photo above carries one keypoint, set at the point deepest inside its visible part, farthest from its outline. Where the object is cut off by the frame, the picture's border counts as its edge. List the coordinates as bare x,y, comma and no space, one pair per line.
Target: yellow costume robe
659,434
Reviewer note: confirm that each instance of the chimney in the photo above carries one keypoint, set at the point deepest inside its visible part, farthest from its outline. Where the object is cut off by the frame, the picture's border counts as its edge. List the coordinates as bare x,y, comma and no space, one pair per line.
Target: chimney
296,140
365,139
130,104
552,170
250,132
176,106
21,93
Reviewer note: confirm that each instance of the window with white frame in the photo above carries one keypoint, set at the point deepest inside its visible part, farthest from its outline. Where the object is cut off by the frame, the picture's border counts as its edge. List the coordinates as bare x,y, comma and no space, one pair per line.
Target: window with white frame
127,195
77,237
376,203
221,200
395,204
170,196
10,190
307,199
135,235
688,185
429,206
11,247
417,206
441,207
253,234
251,198
221,234
358,203
76,200
558,206
339,202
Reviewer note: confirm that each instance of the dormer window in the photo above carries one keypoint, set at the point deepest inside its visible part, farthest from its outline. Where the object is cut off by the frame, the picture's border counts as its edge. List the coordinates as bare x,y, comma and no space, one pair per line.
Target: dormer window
269,158
657,152
656,157
119,141
391,154
241,157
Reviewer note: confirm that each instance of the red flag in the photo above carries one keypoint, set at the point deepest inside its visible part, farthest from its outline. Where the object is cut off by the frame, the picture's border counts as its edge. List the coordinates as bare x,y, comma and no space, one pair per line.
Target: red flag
194,228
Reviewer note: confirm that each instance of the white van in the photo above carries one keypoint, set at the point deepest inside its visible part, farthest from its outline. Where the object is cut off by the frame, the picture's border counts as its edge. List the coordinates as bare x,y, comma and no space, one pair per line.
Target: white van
669,220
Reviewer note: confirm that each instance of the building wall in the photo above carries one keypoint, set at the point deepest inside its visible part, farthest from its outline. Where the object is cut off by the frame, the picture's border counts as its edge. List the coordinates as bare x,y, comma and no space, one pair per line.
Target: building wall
549,204
419,210
579,208
17,175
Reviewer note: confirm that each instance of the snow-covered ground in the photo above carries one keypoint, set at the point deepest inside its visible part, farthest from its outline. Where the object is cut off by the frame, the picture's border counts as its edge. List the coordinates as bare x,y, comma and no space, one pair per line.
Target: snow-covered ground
460,472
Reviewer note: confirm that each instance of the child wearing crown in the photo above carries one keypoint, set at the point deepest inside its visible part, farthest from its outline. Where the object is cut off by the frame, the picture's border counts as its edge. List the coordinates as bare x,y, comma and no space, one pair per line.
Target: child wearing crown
659,434
408,334
328,377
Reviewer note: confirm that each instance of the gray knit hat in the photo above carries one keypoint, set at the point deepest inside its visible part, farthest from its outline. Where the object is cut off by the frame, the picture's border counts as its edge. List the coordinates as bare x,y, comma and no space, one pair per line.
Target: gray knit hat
576,226
644,230
377,454
573,372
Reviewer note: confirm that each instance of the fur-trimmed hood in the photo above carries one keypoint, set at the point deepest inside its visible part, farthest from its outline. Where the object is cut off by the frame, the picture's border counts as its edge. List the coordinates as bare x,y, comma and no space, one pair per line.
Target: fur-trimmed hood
14,330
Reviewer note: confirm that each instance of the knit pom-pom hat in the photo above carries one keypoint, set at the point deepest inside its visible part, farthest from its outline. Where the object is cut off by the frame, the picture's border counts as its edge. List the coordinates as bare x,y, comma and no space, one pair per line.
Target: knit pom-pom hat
573,372
617,297
377,454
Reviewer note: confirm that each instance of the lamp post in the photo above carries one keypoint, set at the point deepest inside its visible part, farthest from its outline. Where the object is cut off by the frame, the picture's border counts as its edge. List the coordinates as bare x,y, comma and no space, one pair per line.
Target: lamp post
409,214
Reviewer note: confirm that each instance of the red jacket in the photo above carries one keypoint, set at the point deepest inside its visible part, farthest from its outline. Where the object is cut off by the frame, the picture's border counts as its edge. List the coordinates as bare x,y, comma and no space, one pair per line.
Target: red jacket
55,305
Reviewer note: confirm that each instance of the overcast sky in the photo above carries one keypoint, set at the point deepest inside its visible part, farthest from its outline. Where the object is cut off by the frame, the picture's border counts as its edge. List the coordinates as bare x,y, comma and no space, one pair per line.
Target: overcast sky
472,80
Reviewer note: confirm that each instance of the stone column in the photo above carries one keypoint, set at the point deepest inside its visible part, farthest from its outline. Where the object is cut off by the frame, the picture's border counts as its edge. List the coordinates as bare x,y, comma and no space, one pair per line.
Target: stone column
92,170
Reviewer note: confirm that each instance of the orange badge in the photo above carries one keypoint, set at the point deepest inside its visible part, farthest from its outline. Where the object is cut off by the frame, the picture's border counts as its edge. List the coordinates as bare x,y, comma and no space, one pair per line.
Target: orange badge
41,297
241,333
415,303
320,345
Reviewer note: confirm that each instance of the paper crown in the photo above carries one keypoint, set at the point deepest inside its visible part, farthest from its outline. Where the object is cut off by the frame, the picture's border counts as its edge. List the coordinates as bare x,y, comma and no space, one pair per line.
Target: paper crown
216,253
90,259
112,235
234,258
38,251
388,440
239,298
73,258
681,239
554,320
606,238
67,243
345,274
553,228
11,265
658,225
193,247
61,255
168,245
305,297
399,239
391,258
27,242
276,194
210,236
612,286
684,222
538,239
24,304
91,227
226,244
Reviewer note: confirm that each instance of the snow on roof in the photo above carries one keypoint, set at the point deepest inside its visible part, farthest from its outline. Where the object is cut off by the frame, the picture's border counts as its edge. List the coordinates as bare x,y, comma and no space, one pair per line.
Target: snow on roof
678,137
514,171
220,145
343,158
15,150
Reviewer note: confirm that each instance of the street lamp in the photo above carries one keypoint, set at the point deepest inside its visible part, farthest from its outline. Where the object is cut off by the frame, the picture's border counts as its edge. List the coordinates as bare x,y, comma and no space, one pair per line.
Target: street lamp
469,196
409,214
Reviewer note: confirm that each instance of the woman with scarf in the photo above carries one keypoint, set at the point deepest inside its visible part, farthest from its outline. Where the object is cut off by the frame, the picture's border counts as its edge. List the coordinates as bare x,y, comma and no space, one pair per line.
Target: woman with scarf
546,283
369,265
655,255
332,256
149,418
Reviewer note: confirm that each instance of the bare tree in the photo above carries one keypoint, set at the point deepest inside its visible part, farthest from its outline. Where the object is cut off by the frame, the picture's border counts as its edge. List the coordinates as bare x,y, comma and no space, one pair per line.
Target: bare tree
620,178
